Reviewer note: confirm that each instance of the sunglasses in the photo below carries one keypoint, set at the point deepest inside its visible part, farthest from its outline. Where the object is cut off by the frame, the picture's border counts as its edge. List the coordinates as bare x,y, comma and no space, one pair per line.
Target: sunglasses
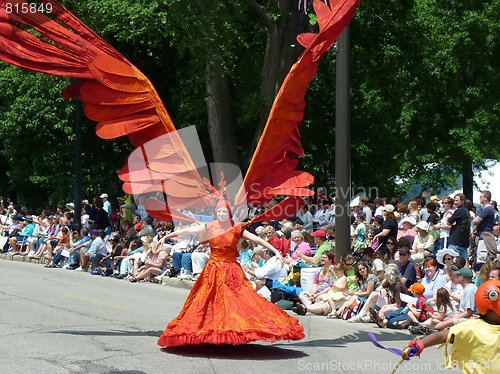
346,264
448,259
391,243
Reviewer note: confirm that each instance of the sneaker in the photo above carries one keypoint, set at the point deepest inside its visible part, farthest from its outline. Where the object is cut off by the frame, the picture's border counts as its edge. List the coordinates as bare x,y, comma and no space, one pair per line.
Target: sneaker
94,272
79,268
421,330
366,319
355,319
30,254
121,276
173,273
195,277
185,275
102,271
65,266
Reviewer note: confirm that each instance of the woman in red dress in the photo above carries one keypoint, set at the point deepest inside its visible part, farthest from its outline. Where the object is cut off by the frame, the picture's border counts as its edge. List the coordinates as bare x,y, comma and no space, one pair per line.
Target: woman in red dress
222,307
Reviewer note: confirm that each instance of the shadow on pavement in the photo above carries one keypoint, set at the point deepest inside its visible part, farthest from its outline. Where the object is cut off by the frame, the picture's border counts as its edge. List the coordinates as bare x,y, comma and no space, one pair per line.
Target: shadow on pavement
250,351
384,335
110,333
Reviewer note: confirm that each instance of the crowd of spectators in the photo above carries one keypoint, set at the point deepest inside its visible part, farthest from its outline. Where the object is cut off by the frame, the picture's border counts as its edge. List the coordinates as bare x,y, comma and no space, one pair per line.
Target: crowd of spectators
414,265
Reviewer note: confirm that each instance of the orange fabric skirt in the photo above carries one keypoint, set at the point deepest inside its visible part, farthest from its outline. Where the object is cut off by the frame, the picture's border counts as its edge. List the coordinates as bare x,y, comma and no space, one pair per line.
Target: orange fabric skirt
223,308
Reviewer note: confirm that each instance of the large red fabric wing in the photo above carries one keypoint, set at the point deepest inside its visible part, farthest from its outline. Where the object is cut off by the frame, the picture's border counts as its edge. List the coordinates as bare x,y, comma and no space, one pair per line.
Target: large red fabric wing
116,93
280,143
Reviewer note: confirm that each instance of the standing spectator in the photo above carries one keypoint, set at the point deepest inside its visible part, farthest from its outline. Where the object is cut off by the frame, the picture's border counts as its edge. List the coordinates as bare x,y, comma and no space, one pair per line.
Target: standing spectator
359,235
444,227
460,227
106,205
389,227
322,216
433,217
424,214
102,218
368,212
413,211
484,221
378,206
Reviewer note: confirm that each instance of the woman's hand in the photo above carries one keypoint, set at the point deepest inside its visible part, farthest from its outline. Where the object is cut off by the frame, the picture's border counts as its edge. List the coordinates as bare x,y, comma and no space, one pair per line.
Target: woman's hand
383,292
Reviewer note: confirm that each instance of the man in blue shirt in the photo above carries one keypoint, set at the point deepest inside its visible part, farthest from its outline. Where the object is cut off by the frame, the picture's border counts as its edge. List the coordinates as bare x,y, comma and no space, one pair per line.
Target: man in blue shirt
406,268
485,220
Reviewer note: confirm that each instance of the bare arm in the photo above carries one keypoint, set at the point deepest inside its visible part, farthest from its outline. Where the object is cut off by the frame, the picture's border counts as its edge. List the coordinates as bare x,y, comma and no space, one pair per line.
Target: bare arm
193,230
382,234
254,238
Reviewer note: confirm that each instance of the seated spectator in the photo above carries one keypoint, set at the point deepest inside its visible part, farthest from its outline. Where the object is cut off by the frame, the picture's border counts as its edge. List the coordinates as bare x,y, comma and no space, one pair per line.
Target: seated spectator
368,283
127,264
108,265
387,296
61,250
494,272
200,257
406,268
272,239
444,310
453,287
97,249
53,233
137,223
299,245
128,230
378,262
153,265
484,272
14,230
352,281
147,229
23,236
258,257
392,254
445,257
467,306
406,229
335,296
423,244
272,270
419,311
323,246
313,301
432,280
77,241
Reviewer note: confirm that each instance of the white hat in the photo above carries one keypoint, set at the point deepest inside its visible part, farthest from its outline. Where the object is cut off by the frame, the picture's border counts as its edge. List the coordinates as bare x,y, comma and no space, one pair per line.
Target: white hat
422,225
104,195
442,252
410,220
388,208
70,205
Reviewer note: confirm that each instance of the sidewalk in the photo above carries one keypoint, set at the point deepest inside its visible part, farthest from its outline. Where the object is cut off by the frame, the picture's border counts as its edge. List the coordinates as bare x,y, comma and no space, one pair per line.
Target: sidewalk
182,283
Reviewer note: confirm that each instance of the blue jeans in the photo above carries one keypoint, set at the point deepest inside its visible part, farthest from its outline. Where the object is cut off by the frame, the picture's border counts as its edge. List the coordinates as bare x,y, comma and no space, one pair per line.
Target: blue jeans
462,251
181,260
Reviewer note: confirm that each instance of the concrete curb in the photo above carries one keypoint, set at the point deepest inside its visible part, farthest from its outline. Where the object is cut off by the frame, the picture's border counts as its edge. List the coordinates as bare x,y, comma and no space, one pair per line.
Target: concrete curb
166,281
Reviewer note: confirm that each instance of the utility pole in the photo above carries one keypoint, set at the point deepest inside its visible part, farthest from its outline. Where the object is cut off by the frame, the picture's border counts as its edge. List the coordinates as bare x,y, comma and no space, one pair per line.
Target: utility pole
343,148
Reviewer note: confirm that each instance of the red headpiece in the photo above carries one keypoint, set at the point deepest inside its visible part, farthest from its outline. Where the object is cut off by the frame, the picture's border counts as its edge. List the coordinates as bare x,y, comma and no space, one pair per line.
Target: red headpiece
488,297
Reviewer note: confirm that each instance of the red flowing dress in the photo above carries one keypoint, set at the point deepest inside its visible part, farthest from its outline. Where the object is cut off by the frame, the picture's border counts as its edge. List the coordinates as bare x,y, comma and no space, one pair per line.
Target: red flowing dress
223,307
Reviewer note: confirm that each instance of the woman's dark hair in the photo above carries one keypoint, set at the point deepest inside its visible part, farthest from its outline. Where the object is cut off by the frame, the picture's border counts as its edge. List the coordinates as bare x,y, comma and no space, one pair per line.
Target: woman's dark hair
98,202
460,261
368,251
330,255
356,270
388,254
391,216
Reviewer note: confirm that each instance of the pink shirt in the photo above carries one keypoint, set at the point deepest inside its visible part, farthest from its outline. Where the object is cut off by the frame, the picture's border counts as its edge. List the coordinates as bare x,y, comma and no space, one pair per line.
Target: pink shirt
302,247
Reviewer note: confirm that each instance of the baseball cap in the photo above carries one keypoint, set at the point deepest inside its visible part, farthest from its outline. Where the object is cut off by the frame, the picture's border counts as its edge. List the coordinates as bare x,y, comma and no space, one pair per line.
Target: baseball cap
319,234
361,214
417,287
103,195
388,208
466,272
404,249
379,219
94,232
435,198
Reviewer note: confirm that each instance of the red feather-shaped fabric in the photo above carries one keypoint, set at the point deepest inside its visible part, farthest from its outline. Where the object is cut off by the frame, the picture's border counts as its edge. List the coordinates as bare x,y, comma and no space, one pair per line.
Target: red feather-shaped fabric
115,92
280,142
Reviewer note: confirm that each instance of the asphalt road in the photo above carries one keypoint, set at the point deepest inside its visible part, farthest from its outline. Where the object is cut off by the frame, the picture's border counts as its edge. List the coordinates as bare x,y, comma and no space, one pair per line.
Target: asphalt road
60,321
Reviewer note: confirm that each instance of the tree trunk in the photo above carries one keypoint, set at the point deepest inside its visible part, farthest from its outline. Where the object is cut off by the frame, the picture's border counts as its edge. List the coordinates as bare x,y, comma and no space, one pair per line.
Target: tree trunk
280,56
467,178
220,121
